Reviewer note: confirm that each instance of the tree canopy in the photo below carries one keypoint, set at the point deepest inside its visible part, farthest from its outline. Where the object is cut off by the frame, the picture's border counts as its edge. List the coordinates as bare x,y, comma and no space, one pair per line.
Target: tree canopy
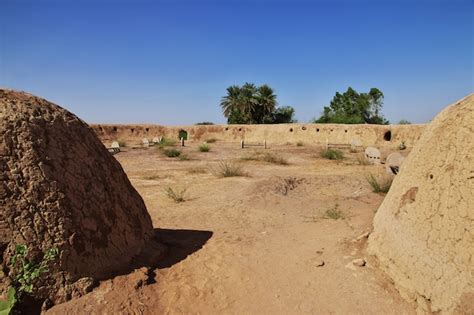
352,107
249,104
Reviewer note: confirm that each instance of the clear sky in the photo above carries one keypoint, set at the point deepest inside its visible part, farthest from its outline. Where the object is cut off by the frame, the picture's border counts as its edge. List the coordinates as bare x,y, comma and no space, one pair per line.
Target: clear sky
169,62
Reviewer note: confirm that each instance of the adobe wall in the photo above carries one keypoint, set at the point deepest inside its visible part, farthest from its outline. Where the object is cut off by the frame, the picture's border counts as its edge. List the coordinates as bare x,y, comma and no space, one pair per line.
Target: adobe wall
310,134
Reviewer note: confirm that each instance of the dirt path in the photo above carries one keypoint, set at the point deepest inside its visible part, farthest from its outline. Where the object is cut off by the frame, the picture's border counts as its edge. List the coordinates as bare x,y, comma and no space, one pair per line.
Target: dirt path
239,245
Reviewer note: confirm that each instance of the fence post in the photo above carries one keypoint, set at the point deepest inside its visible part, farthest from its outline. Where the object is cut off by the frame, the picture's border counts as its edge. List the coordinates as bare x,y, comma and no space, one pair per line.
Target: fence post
241,144
265,143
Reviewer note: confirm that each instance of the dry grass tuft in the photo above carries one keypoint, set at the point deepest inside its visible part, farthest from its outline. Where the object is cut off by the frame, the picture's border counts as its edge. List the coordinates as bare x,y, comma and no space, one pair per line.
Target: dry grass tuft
334,213
381,185
331,154
177,196
266,157
288,184
229,169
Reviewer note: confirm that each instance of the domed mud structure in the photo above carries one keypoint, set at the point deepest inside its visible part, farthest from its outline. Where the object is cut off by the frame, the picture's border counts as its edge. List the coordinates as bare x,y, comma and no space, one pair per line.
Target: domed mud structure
424,229
62,189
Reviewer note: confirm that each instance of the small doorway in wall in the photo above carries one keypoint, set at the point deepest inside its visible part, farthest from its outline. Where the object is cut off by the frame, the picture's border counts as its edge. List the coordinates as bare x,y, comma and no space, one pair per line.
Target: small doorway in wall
183,134
387,136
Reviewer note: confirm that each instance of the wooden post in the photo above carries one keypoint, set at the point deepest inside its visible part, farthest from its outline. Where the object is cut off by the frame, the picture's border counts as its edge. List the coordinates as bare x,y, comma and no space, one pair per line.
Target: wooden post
242,144
182,141
265,143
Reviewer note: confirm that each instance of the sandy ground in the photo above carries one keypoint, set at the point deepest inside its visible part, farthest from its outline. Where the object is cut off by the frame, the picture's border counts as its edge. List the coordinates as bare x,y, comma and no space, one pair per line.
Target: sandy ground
238,245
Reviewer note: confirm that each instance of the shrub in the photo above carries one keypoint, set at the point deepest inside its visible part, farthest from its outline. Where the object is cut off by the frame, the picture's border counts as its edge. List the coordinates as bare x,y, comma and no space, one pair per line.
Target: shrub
226,169
334,213
165,142
177,196
171,153
382,186
212,140
332,154
122,143
204,147
299,144
27,271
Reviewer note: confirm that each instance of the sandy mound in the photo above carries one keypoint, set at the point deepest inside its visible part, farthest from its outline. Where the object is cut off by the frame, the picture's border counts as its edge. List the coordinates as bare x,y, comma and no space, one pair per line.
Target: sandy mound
62,189
423,231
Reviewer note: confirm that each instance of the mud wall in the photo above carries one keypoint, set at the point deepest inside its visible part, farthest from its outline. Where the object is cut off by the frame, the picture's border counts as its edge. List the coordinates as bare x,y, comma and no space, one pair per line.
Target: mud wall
310,134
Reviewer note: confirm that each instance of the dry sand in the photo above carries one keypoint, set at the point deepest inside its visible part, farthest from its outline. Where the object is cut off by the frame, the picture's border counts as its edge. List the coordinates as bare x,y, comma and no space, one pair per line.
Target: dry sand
238,246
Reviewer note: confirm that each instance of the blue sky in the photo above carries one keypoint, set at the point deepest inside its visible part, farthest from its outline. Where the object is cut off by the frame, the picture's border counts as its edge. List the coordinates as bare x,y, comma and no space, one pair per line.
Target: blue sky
169,62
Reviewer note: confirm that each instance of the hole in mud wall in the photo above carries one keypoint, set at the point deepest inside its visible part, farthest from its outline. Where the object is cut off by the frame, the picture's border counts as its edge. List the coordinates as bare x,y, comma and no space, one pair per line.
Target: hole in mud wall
387,136
345,131
147,129
317,130
100,128
226,128
183,134
115,129
240,129
304,128
132,130
332,130
291,129
431,176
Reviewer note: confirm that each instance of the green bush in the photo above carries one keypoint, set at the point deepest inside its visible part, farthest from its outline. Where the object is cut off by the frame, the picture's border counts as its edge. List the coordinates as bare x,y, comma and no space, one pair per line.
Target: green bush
171,153
332,154
204,147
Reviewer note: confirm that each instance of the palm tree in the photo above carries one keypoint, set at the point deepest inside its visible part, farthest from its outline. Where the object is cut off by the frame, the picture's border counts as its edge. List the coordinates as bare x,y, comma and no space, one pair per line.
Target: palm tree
248,101
266,100
231,102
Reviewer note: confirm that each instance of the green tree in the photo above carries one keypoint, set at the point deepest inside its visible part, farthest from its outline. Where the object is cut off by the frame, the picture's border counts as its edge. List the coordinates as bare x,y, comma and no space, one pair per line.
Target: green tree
282,115
249,104
352,107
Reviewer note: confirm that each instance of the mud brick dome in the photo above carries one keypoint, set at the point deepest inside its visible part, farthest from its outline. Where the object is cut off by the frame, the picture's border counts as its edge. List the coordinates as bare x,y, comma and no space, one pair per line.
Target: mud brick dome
61,188
424,229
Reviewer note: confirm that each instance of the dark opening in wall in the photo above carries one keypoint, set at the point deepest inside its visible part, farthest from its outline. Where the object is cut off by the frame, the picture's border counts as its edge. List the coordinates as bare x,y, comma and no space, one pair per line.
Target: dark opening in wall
387,136
132,130
304,128
291,129
317,129
226,128
100,128
147,129
332,130
240,129
115,129
345,130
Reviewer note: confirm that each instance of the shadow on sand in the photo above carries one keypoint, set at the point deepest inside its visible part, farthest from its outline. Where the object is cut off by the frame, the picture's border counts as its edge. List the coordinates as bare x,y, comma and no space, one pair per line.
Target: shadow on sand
180,244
